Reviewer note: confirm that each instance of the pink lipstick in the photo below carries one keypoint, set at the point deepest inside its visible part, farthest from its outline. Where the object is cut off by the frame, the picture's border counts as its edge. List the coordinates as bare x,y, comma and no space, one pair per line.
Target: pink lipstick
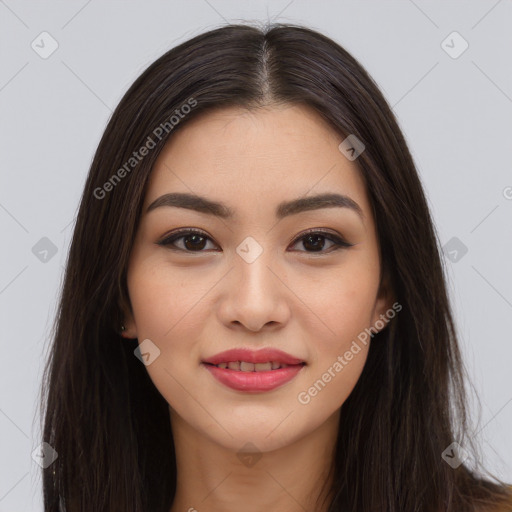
253,371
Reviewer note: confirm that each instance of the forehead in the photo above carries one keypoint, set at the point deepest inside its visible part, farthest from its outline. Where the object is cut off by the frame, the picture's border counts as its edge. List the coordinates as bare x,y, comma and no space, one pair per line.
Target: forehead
251,157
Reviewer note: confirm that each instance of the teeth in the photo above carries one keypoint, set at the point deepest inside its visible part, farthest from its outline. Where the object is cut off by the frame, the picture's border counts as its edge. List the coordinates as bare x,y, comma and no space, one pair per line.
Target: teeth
252,367
246,367
263,367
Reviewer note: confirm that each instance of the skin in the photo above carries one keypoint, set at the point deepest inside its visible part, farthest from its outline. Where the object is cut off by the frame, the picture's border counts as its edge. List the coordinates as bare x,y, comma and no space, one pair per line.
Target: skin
312,305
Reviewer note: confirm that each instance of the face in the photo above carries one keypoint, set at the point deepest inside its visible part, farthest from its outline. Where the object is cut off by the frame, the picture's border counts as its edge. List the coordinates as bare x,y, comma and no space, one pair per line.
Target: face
303,279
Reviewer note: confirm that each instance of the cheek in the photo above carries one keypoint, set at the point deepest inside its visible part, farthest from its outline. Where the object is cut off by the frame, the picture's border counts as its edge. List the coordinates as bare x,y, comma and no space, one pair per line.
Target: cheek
166,311
164,302
340,352
344,304
150,303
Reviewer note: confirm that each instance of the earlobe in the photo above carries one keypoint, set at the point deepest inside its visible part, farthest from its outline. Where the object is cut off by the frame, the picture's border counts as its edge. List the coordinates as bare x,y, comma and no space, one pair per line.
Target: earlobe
127,332
127,328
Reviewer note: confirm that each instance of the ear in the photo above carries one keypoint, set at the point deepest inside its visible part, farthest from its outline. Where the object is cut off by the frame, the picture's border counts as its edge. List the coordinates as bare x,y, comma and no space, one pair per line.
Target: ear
128,321
385,304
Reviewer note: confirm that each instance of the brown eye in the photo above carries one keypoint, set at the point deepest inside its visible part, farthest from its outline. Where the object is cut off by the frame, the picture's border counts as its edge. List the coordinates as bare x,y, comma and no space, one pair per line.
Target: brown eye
193,240
314,241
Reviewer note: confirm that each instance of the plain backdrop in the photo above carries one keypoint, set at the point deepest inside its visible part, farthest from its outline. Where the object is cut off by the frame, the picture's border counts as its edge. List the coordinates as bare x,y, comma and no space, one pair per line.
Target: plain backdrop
452,94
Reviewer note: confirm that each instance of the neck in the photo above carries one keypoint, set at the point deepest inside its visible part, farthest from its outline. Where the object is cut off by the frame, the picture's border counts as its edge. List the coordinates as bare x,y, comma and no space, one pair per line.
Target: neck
212,477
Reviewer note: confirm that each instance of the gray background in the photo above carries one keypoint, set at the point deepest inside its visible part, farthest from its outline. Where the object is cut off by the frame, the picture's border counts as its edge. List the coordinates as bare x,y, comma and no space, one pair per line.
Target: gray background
455,113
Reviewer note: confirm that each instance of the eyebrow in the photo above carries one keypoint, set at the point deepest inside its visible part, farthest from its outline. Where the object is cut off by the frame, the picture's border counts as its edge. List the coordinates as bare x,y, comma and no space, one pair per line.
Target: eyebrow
284,209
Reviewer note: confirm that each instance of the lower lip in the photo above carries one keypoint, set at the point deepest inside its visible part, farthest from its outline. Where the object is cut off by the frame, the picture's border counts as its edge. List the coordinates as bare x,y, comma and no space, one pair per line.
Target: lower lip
254,381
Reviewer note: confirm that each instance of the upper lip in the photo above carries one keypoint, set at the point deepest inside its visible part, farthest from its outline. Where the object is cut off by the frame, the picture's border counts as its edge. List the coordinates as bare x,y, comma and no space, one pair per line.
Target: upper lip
263,355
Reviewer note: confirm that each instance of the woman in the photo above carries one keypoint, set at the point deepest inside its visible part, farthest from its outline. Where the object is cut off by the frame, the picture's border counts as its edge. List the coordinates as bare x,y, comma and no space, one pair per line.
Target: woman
254,312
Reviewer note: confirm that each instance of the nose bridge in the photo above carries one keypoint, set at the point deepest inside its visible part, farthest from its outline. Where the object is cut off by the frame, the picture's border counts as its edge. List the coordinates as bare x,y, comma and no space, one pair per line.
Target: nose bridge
255,296
251,262
250,250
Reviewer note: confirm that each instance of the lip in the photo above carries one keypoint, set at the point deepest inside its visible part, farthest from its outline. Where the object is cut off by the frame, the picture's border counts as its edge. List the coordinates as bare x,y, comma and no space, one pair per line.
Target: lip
254,381
254,356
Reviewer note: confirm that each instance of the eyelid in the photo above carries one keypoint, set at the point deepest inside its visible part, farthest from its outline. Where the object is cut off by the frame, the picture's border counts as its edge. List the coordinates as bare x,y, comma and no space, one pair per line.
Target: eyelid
174,235
325,232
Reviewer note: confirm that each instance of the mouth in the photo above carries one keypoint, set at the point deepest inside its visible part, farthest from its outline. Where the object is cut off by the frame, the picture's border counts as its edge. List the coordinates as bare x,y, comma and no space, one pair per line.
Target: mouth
253,377
246,359
243,369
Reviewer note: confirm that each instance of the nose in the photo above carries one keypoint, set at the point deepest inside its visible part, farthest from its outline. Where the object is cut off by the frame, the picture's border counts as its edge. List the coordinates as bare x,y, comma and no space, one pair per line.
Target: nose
254,296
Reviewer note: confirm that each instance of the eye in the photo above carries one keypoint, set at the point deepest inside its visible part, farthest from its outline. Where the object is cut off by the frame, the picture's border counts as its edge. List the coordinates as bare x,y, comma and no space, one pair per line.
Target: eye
315,240
195,240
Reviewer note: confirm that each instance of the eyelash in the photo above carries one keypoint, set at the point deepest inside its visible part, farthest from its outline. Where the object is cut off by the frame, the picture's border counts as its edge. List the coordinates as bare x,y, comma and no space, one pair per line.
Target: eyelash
339,243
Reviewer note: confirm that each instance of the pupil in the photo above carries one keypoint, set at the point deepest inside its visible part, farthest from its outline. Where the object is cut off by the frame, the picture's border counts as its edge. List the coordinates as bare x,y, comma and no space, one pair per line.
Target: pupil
194,244
313,237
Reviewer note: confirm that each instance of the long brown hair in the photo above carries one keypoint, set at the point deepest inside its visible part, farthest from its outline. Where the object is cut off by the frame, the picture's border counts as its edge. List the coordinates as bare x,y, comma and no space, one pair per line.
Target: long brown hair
103,415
